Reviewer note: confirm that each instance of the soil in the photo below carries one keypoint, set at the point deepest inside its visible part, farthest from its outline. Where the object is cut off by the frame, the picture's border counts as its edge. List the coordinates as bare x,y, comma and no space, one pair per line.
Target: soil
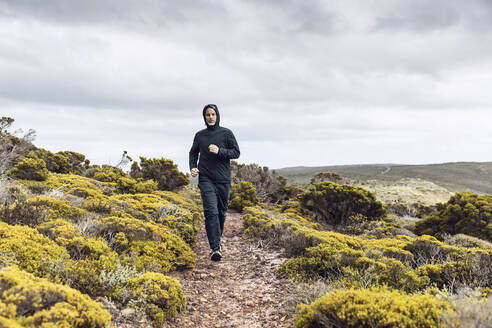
241,290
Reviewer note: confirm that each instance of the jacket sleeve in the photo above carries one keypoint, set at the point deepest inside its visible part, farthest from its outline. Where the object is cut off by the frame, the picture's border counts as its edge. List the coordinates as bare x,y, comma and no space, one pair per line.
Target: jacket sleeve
232,149
194,151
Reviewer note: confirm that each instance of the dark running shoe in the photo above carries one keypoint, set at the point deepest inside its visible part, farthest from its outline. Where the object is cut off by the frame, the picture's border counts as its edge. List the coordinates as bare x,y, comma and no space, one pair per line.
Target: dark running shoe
216,255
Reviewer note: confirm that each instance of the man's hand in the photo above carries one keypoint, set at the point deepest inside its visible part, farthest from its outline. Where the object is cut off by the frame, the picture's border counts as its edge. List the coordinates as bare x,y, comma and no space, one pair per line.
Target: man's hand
194,172
213,149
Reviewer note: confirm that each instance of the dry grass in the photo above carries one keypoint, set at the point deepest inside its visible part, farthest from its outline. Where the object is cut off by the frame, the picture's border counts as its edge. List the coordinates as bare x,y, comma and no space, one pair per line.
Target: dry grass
470,310
305,293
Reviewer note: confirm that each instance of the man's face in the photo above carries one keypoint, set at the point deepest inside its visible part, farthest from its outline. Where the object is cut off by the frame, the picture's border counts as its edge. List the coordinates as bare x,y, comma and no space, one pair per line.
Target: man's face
210,116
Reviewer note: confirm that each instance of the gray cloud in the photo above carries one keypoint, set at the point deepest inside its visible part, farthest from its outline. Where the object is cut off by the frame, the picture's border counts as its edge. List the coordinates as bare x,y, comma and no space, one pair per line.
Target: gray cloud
432,16
371,78
123,13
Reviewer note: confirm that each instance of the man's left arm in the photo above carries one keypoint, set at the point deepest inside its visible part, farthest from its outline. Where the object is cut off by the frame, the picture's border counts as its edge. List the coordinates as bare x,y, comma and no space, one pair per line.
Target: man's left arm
231,151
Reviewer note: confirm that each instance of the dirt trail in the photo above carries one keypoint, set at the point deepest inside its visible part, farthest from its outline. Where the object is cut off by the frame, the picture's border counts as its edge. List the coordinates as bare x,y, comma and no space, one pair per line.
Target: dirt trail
239,291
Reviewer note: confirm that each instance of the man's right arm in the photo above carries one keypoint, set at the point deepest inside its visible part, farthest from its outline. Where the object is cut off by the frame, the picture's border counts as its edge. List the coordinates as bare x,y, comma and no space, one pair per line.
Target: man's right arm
194,151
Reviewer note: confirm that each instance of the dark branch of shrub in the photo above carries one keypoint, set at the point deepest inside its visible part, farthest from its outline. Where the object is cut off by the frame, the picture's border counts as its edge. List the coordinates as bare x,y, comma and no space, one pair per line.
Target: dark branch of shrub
270,186
22,213
13,148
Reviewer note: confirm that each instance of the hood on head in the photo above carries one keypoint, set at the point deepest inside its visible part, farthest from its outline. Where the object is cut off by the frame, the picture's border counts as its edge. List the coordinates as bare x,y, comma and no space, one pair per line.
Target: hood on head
214,107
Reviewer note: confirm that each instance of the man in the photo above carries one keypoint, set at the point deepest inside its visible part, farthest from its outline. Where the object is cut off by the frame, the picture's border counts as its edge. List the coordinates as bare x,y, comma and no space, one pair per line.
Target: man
216,146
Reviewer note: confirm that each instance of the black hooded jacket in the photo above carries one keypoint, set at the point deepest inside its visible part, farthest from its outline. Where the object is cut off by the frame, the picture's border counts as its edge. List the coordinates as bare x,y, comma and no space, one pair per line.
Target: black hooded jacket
216,167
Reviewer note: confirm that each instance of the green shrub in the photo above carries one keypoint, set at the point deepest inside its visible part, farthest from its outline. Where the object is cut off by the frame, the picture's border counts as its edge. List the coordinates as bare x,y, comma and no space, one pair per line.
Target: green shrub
161,297
146,244
187,199
56,208
32,251
288,232
334,204
37,302
372,308
30,168
465,213
80,186
7,323
22,213
181,222
89,256
326,176
141,206
108,174
161,170
77,161
242,195
56,163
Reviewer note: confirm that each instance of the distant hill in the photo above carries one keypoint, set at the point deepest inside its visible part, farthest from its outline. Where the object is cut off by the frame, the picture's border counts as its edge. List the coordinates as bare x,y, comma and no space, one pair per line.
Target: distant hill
459,176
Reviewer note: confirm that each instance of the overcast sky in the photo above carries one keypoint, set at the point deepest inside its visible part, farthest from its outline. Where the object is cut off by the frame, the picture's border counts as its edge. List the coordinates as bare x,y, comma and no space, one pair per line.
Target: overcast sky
298,82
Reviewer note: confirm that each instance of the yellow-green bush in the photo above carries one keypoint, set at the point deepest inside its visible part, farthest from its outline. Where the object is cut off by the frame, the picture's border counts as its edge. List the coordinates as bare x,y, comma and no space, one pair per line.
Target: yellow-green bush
474,271
58,228
80,186
138,241
161,297
79,246
93,194
242,195
352,267
141,206
288,232
56,208
89,256
363,262
182,223
161,170
108,174
32,251
30,168
372,308
35,302
130,186
156,208
175,198
8,323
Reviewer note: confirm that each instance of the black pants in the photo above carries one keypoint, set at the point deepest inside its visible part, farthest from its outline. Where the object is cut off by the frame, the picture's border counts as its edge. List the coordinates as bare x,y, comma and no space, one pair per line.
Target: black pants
215,198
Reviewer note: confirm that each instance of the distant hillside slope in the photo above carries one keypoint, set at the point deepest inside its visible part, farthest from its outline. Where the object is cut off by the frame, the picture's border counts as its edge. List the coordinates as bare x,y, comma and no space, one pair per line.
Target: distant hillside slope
458,176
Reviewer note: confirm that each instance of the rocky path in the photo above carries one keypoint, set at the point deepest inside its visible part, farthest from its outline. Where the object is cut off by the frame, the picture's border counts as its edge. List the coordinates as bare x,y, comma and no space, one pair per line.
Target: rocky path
239,291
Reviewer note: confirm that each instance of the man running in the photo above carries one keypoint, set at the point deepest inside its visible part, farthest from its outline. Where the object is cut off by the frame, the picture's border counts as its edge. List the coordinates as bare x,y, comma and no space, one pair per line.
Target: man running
212,149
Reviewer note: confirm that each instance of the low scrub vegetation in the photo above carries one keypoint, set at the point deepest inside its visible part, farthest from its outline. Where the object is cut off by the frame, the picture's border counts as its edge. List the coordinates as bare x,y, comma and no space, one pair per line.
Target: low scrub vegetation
373,268
71,232
465,213
334,204
372,308
270,186
242,195
27,301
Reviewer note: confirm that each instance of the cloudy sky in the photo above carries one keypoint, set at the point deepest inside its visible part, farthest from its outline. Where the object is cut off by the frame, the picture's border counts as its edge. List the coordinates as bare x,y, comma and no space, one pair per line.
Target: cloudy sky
307,82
